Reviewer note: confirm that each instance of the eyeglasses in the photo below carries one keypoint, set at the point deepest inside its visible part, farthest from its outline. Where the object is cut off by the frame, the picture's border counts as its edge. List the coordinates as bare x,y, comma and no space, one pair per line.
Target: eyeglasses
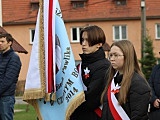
114,55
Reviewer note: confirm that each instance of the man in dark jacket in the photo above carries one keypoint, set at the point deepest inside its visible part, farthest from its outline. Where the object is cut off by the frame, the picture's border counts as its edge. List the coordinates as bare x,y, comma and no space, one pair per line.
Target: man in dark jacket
10,66
154,82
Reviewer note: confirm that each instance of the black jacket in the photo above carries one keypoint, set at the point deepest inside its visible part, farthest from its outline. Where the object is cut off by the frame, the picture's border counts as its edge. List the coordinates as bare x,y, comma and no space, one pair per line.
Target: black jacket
154,82
137,103
95,83
10,66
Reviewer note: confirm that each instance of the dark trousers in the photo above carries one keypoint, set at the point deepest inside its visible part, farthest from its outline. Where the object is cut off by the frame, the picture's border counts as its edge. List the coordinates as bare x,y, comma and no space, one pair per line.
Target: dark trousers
7,107
154,115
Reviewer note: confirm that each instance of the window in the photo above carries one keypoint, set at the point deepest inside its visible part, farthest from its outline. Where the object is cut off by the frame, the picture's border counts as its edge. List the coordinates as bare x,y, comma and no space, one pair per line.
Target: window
120,2
32,32
119,32
34,4
157,31
78,0
75,34
78,3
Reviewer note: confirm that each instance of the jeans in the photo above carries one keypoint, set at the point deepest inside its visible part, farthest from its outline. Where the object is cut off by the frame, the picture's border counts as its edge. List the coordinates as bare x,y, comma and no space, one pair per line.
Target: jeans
7,107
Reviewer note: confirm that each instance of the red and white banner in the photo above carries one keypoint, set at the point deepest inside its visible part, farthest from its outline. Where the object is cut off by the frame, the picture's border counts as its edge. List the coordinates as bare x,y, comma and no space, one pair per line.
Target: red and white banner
53,85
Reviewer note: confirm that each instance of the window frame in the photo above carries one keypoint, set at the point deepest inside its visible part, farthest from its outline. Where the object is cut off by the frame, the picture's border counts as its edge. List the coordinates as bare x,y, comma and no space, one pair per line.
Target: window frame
120,33
78,29
121,2
34,4
157,31
31,35
78,0
78,5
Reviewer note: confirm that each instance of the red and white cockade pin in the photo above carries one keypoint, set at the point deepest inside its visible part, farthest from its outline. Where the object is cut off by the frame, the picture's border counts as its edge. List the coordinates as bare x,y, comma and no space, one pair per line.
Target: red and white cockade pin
116,89
86,73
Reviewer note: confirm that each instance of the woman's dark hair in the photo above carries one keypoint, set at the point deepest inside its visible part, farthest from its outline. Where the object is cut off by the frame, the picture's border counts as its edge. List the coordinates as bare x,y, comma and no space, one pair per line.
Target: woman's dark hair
95,35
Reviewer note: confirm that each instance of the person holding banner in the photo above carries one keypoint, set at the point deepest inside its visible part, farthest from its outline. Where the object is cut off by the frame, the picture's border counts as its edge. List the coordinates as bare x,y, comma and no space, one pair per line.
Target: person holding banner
92,69
127,93
10,66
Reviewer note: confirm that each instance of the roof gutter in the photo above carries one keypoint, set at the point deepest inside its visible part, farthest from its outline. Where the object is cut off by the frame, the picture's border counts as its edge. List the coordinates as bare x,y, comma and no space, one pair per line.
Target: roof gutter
109,19
19,23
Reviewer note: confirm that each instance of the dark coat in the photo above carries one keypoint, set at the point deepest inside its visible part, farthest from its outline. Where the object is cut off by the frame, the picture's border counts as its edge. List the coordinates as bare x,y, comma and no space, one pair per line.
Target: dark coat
137,103
95,83
154,82
10,66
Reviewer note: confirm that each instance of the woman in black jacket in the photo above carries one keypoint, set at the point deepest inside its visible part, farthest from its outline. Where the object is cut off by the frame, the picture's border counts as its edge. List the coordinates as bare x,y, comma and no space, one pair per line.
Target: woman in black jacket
92,68
127,93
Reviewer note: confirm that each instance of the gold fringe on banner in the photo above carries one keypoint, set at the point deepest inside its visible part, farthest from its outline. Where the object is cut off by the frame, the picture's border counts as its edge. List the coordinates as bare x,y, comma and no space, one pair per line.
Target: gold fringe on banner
76,101
41,60
32,95
37,93
42,50
46,96
34,103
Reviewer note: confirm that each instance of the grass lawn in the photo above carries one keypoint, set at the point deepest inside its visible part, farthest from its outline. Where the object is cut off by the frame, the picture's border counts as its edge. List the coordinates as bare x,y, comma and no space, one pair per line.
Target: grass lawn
27,112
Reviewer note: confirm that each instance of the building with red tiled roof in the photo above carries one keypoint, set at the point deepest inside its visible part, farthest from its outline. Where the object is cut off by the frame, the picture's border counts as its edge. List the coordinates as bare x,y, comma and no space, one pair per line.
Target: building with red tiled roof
120,19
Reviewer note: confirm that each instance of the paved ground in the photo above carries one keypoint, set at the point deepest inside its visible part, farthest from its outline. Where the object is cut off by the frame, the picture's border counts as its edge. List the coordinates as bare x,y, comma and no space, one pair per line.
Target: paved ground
20,101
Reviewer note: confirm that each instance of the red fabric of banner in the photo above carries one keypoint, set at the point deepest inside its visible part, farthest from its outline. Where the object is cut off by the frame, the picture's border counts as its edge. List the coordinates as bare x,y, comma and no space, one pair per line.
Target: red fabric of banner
50,48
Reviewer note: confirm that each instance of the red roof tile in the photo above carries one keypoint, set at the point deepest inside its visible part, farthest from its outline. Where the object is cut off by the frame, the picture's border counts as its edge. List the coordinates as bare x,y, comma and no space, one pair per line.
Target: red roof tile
18,11
21,11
